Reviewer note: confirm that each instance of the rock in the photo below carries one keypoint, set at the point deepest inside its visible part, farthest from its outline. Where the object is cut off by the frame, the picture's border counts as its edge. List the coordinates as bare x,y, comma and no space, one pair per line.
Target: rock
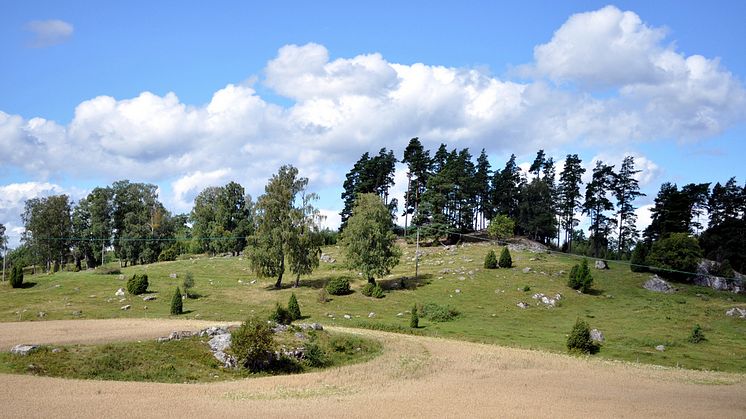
522,305
120,277
537,296
300,336
458,291
253,281
526,270
736,312
705,277
601,264
597,335
656,284
56,350
42,314
23,349
77,313
280,328
149,298
399,314
213,331
176,335
220,342
120,292
327,259
660,348
347,316
173,276
126,307
371,315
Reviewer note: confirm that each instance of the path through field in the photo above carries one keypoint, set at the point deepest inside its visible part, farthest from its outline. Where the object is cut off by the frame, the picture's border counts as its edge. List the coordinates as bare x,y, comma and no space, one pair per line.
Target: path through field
415,377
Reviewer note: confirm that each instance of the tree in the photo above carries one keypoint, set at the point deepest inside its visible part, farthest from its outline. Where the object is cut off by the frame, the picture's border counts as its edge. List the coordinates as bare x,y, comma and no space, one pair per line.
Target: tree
596,204
501,227
293,307
419,165
368,241
569,195
727,202
253,344
369,175
482,191
626,190
304,245
414,320
16,277
580,277
675,209
580,339
676,256
48,229
275,231
188,283
177,303
506,185
490,260
505,260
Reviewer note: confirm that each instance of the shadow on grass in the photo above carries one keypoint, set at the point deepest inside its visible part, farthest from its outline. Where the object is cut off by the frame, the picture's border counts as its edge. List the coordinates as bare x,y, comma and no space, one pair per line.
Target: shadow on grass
595,292
196,296
405,282
26,285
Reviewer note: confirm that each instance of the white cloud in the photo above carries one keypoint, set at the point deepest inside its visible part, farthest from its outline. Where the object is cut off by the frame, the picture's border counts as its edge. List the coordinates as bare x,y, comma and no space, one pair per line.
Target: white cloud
332,220
649,171
644,217
186,188
12,202
48,32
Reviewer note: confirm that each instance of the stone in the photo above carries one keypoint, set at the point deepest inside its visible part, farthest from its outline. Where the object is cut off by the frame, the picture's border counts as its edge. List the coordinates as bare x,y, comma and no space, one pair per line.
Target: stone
327,259
126,307
42,314
280,328
347,316
301,336
656,284
597,335
253,281
23,349
120,277
56,350
458,291
526,270
177,335
149,298
522,305
220,342
660,348
77,313
173,276
399,314
736,312
601,264
371,315
120,292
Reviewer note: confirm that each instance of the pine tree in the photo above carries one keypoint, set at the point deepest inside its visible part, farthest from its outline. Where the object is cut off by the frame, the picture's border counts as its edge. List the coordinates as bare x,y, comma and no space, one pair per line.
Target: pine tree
369,175
569,195
505,189
293,307
176,303
505,260
414,320
490,260
596,204
419,165
482,191
626,190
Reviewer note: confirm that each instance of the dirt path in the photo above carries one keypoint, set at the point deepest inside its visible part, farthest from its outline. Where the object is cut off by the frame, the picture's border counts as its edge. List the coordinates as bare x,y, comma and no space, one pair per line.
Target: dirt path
415,377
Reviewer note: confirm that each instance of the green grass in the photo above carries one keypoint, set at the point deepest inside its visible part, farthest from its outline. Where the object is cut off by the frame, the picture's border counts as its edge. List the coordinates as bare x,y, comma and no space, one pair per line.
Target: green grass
632,319
178,361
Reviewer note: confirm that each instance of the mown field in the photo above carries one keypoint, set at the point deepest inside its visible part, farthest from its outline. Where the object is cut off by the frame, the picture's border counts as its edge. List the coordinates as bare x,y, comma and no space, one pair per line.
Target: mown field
633,320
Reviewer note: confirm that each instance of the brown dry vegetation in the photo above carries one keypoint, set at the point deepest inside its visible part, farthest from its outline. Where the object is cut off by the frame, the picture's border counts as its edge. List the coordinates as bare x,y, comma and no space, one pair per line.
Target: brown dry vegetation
415,376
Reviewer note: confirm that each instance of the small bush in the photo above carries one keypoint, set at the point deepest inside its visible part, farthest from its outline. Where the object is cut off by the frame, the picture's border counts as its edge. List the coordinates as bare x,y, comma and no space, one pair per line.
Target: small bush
314,355
414,320
580,339
293,307
490,261
505,260
16,277
323,296
253,344
580,277
526,288
377,292
697,335
338,286
367,289
281,315
188,283
138,284
176,303
438,313
168,254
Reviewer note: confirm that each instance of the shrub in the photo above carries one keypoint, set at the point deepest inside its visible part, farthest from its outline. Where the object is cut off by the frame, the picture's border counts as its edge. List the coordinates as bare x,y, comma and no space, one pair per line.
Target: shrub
281,315
338,286
490,261
293,307
414,320
16,277
438,313
377,292
505,260
367,289
580,339
580,277
501,227
314,355
697,335
176,303
252,344
639,260
188,283
323,296
526,288
678,252
168,254
138,284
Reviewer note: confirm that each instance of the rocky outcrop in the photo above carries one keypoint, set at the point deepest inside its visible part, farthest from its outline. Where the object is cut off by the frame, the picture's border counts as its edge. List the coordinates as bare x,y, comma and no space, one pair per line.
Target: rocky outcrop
736,312
23,349
655,283
706,277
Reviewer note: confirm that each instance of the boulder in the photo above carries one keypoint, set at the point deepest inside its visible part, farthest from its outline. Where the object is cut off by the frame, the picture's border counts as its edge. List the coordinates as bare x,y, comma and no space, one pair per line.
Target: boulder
706,278
597,335
601,264
526,270
736,312
126,307
347,316
656,284
120,292
522,305
149,298
371,315
220,342
173,276
660,348
23,349
327,259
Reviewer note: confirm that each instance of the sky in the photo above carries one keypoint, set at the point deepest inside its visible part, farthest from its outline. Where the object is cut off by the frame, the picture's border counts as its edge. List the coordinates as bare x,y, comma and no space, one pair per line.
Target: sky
188,94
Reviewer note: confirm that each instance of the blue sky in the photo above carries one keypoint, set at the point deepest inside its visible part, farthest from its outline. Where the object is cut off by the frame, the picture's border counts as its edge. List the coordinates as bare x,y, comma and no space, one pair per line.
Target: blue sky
189,94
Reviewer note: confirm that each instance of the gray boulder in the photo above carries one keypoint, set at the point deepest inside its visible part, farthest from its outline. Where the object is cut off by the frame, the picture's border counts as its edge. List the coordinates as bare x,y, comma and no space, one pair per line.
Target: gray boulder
120,292
736,312
597,335
660,348
23,349
522,305
601,264
706,277
656,284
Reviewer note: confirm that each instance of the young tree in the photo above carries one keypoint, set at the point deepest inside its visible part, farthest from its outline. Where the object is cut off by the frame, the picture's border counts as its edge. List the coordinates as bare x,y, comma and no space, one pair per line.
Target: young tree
188,283
414,320
294,307
596,204
368,242
276,231
501,227
48,229
569,195
626,190
304,245
176,303
505,261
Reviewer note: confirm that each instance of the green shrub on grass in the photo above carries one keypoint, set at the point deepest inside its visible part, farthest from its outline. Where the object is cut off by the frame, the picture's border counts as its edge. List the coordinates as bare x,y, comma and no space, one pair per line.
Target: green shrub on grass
338,286
138,284
438,313
377,292
314,355
188,283
367,289
176,303
16,277
253,344
490,261
580,277
697,335
293,307
281,315
414,320
505,260
580,339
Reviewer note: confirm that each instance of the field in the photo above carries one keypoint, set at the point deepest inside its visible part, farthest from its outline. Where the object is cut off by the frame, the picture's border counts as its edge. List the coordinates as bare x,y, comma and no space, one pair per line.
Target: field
633,320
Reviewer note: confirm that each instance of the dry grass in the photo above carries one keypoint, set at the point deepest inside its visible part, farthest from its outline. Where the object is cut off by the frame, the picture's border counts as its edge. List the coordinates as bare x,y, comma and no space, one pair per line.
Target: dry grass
415,377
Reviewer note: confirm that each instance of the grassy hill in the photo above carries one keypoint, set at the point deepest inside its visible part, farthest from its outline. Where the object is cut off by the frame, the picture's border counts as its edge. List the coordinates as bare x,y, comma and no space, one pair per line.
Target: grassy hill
633,320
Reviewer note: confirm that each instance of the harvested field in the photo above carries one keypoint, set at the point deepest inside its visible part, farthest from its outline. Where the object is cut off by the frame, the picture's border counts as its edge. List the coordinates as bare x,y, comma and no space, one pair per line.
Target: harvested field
415,376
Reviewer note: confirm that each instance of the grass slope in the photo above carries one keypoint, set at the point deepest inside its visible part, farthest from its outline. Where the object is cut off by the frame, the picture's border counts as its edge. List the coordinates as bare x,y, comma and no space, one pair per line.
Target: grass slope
632,319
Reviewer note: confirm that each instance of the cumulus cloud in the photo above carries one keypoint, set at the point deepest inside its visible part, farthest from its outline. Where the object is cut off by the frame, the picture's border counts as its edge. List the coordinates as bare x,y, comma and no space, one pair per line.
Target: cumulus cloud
12,201
649,171
48,32
186,188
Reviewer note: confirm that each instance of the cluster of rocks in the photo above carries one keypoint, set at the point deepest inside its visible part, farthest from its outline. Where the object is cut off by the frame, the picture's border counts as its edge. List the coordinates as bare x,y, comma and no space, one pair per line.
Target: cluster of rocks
523,244
656,284
547,301
706,278
327,259
736,312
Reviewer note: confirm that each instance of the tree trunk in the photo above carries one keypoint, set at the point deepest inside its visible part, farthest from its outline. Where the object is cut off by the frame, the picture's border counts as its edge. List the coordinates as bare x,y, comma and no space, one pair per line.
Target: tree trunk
278,284
297,281
371,280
